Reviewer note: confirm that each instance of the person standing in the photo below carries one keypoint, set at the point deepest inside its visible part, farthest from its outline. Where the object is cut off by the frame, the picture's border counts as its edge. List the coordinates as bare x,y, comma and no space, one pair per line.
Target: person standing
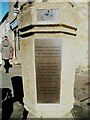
6,50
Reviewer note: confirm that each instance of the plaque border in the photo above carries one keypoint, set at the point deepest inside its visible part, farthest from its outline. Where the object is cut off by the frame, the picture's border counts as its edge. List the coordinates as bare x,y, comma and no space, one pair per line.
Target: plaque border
48,37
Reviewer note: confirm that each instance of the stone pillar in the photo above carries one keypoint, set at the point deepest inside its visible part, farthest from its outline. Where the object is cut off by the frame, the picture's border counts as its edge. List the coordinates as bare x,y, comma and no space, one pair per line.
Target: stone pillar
48,51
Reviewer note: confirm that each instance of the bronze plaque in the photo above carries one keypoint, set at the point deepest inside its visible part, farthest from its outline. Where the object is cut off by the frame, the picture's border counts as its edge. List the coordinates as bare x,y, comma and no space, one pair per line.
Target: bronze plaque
48,69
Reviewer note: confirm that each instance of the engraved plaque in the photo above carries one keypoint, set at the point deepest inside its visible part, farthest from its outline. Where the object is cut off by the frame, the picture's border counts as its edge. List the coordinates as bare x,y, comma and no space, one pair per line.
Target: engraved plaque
47,15
48,69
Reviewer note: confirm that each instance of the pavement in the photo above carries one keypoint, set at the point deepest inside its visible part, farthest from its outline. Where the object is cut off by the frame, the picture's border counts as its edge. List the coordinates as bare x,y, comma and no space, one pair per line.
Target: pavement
82,97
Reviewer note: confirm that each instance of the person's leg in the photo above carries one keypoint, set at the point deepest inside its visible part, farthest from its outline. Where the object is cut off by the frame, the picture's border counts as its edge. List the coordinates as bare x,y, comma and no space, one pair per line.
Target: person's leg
10,65
7,66
7,69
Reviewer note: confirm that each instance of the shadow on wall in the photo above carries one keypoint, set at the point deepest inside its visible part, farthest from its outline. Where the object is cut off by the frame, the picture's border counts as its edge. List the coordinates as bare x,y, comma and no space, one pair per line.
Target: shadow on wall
7,101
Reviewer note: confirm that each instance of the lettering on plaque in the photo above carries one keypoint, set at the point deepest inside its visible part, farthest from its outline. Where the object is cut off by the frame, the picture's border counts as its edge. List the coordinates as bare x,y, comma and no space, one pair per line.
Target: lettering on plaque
48,69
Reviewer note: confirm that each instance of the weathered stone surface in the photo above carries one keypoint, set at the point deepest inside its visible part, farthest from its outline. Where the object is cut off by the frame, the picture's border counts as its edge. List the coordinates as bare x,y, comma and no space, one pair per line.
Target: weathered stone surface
76,15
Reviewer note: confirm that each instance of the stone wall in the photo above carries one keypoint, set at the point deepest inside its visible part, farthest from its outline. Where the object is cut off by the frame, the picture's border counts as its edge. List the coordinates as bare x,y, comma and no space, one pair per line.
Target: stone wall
82,34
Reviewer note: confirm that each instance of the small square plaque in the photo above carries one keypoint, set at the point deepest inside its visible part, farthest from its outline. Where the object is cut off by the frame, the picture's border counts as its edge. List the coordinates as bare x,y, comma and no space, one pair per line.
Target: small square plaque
47,15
